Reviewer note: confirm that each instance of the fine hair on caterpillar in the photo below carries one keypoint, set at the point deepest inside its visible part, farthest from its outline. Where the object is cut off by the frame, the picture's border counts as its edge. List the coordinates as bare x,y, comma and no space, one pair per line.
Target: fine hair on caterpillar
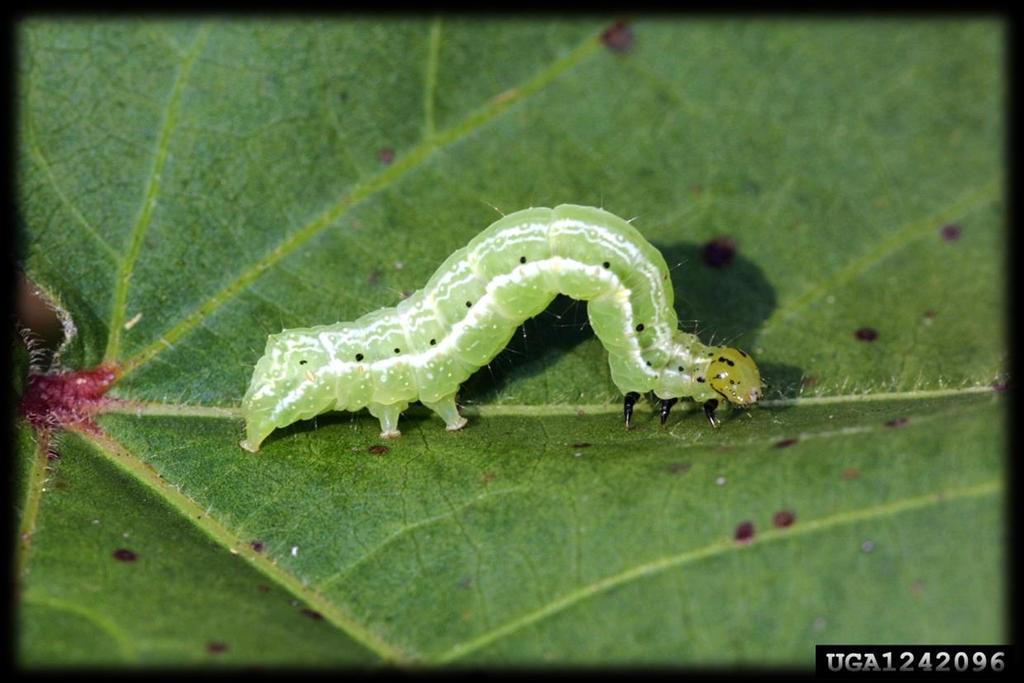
424,348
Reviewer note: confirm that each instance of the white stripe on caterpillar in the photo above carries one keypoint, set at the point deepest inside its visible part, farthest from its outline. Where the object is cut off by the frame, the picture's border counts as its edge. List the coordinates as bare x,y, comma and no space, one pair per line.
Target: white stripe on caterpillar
425,347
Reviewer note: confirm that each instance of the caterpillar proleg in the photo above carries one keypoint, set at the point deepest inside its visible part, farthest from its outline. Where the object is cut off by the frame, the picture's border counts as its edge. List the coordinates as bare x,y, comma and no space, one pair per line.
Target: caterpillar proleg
430,343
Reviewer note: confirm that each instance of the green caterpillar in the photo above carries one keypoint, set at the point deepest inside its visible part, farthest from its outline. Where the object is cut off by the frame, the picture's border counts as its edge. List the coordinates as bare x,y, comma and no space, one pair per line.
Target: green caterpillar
425,347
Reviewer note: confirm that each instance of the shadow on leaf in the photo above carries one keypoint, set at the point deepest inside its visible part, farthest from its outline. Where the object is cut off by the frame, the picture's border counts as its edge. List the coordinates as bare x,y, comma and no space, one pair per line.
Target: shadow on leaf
724,304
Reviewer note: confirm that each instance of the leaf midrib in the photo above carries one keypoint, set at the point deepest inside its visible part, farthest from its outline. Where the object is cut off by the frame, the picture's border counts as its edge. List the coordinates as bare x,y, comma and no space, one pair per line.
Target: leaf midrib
156,408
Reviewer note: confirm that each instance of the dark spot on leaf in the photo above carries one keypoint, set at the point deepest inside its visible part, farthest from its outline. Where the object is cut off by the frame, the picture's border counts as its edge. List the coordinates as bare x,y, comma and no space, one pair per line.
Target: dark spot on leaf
385,155
867,334
433,341
783,518
896,422
582,444
930,313
257,546
719,252
522,259
744,532
950,233
640,327
311,613
374,279
618,37
851,473
359,357
303,362
216,647
263,588
125,555
678,468
489,477
469,304
398,350
786,443
606,264
379,450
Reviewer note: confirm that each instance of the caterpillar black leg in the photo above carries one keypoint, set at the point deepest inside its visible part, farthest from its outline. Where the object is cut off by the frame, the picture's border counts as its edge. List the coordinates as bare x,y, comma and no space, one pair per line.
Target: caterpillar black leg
627,407
709,411
666,407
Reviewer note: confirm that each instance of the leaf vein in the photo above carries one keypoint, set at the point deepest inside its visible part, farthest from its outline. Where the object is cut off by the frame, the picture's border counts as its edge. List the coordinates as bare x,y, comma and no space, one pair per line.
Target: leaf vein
659,565
30,509
406,529
897,240
153,186
94,618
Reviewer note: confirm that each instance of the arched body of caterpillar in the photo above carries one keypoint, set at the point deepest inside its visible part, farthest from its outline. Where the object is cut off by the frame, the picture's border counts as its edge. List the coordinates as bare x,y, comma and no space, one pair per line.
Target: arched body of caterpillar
426,346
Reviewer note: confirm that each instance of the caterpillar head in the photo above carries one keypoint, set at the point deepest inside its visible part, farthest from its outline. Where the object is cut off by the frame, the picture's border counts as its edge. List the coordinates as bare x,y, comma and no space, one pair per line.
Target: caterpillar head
735,376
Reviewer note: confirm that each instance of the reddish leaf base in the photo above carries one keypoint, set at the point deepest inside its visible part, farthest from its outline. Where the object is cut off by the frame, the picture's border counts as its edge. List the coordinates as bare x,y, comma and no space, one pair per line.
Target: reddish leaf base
67,399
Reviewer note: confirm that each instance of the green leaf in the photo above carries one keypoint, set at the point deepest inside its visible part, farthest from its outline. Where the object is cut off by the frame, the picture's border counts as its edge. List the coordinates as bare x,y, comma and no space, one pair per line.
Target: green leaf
186,188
